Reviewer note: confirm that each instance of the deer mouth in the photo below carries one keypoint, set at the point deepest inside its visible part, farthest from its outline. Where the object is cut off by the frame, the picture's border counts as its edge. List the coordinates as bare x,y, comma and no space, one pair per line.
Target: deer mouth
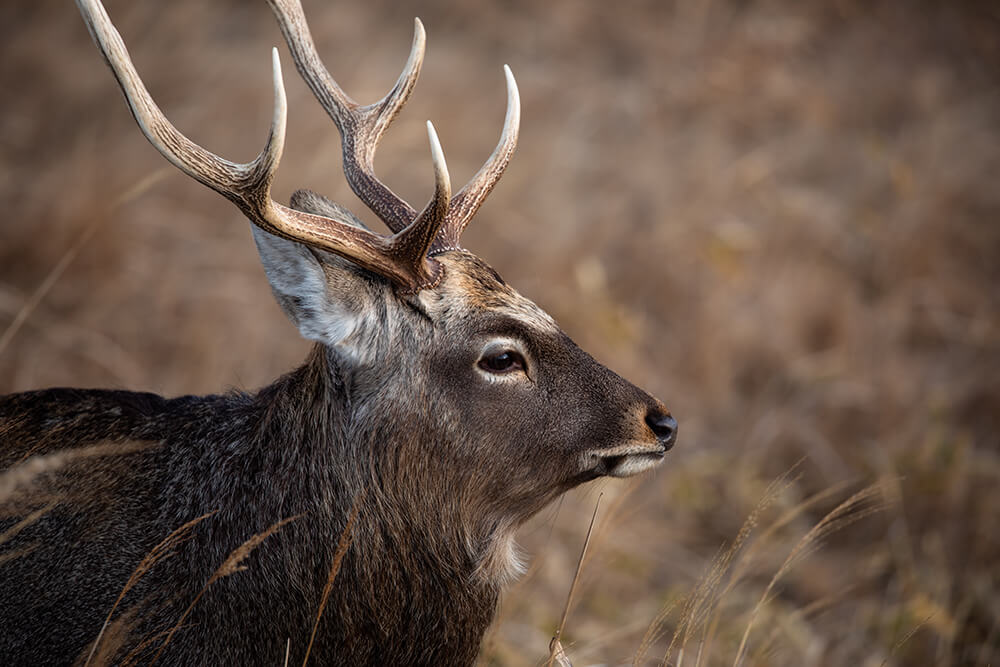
626,461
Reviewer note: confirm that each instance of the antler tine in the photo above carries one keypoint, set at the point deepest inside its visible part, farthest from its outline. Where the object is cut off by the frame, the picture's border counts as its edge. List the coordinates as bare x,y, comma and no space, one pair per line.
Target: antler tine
471,197
361,127
400,258
427,225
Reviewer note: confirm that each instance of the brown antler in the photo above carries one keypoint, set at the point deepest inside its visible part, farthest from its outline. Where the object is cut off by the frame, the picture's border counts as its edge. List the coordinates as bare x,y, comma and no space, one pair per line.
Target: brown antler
402,257
361,128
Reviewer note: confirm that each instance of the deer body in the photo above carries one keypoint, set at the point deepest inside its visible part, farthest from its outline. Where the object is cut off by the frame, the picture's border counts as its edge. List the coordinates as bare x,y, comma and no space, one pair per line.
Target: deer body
250,460
438,411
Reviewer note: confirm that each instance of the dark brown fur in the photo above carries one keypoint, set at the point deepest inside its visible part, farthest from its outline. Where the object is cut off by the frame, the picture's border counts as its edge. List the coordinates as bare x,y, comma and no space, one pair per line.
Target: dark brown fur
448,465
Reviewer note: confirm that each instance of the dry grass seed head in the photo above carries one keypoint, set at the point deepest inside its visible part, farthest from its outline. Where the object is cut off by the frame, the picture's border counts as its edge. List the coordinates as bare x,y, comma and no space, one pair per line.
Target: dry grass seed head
749,557
162,551
704,599
342,545
17,478
232,565
860,505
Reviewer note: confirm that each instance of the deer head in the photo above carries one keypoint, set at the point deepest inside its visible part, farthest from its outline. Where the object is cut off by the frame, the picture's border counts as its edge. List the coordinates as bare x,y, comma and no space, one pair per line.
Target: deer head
465,395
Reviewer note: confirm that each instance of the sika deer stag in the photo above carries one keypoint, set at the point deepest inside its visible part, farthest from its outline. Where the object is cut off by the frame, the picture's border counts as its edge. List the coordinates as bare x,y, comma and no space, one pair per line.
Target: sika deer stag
438,403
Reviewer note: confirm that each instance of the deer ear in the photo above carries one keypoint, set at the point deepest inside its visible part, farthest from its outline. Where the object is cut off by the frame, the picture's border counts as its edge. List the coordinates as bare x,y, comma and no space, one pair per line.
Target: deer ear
324,295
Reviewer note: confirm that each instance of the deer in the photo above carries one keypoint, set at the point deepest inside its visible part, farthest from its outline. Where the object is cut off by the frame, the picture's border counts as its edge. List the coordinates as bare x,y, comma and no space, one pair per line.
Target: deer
437,411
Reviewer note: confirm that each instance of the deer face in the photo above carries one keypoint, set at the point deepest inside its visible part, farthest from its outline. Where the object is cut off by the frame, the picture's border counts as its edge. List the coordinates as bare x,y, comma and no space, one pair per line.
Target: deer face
537,403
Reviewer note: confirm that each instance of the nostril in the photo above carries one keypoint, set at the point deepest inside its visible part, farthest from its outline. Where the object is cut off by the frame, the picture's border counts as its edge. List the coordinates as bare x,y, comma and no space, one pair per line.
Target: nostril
664,426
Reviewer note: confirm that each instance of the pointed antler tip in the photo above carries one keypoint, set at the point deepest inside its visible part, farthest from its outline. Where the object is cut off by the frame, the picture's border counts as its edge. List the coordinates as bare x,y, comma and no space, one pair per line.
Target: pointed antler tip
280,103
511,81
269,157
276,69
437,158
437,153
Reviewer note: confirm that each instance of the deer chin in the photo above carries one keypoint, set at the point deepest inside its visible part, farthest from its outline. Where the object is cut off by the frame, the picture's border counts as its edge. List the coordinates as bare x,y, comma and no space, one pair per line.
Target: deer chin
626,460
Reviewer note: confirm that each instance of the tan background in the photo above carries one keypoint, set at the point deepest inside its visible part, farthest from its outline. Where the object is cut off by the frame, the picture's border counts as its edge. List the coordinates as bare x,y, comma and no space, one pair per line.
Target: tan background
779,217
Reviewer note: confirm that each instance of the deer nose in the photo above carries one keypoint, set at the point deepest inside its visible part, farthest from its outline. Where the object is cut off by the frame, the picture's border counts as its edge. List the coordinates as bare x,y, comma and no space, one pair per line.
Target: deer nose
664,426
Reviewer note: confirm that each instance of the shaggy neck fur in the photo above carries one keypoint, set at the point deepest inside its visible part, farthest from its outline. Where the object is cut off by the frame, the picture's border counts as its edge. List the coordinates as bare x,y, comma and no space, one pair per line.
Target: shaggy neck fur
316,466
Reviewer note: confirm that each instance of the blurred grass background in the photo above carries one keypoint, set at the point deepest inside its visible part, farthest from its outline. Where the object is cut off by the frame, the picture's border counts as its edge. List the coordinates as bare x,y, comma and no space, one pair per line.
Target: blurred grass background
779,217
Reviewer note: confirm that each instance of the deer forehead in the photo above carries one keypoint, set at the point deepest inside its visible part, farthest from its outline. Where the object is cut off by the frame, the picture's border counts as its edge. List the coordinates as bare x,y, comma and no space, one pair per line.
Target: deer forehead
471,286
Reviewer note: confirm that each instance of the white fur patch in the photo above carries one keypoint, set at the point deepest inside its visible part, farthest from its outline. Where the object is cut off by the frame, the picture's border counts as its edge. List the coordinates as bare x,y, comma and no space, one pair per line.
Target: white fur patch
635,464
300,285
635,458
502,562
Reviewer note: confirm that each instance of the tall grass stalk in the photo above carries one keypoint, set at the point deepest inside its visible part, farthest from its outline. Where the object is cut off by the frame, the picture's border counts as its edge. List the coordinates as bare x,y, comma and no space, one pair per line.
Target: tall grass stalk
860,505
556,653
162,551
232,565
342,545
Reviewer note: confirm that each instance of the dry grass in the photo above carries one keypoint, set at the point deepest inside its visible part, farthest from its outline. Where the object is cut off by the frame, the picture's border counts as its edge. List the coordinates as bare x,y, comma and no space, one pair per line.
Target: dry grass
779,217
232,565
163,550
860,505
338,556
557,655
701,610
18,483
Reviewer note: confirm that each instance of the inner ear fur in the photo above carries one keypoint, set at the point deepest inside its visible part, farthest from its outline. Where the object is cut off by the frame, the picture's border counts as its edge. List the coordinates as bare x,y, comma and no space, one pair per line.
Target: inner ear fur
326,296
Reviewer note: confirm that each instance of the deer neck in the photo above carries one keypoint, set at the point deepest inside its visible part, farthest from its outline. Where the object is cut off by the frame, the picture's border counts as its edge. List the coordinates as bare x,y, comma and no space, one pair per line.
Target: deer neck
411,518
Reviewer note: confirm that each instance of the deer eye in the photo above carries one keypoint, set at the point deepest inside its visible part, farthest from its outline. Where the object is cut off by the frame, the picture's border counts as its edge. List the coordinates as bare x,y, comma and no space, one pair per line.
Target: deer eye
503,361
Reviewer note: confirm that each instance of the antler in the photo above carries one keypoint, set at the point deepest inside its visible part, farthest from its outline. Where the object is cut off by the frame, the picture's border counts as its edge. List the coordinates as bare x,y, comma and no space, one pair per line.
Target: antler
361,128
402,257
